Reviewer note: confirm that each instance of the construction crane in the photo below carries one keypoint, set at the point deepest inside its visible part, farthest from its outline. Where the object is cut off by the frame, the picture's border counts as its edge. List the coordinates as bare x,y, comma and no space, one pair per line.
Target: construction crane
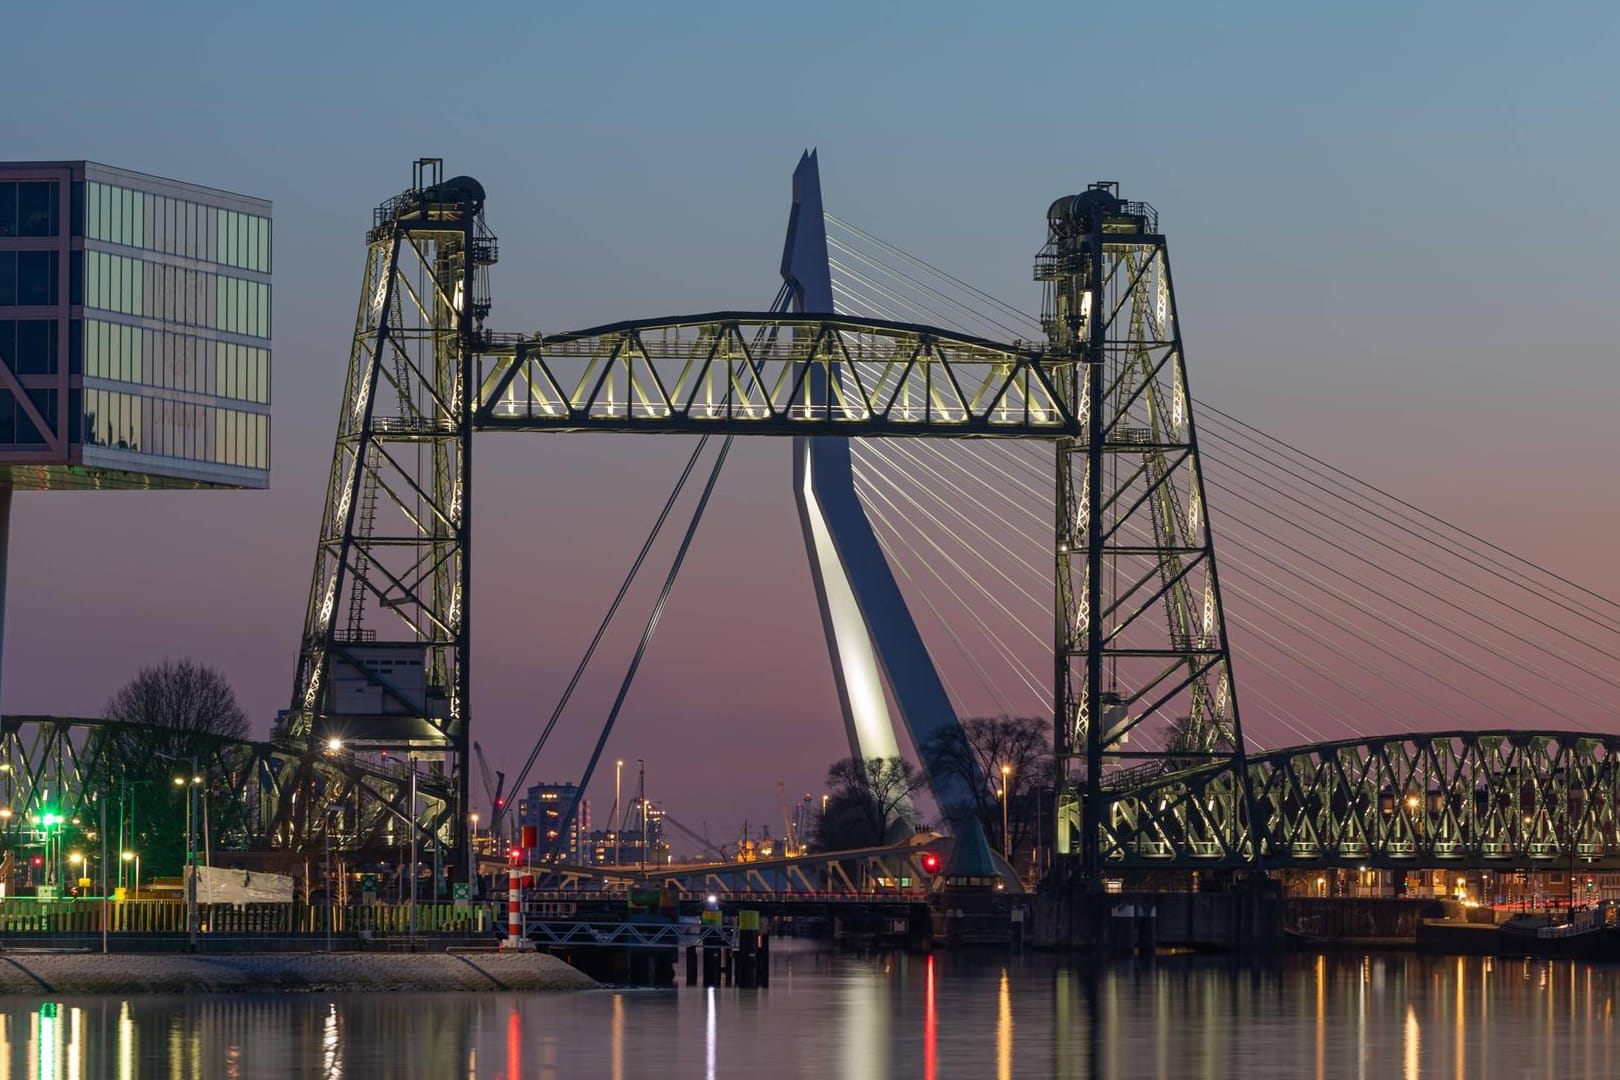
790,841
718,853
494,789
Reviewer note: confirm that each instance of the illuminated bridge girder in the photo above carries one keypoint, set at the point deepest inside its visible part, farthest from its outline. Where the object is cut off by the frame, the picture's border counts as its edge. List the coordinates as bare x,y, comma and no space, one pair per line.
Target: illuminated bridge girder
68,765
1474,800
749,373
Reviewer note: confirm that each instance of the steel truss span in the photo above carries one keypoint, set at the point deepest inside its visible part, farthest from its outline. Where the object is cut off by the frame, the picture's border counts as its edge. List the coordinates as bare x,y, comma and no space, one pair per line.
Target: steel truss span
750,373
1465,799
892,871
69,765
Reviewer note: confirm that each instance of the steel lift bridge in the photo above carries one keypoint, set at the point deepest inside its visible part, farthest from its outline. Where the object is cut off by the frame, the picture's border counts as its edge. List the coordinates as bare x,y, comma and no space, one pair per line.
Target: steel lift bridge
384,663
1152,769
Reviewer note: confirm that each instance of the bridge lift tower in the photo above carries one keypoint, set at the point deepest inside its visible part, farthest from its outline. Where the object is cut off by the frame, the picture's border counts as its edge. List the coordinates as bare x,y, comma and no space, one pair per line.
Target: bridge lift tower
1143,688
383,662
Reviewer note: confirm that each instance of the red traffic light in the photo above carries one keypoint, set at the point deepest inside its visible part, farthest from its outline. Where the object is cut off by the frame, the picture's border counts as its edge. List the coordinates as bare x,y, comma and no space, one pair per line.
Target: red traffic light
931,862
39,860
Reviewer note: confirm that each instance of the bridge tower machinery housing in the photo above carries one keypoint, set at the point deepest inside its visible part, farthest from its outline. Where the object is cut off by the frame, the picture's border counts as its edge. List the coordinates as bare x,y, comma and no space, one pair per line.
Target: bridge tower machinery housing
1143,688
383,662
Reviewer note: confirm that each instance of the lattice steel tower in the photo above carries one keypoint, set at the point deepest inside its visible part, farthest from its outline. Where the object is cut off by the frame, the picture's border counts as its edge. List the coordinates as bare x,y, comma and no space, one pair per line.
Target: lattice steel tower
383,663
1143,686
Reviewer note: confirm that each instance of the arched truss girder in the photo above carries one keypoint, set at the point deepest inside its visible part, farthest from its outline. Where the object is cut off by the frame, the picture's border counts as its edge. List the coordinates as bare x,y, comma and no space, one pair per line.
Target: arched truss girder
1499,799
749,373
69,764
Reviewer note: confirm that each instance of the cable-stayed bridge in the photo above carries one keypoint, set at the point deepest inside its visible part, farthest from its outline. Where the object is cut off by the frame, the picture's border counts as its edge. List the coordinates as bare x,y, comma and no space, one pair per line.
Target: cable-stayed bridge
1004,513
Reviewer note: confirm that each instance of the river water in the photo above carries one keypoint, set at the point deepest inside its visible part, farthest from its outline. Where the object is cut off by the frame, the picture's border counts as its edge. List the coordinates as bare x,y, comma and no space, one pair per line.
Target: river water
1379,1016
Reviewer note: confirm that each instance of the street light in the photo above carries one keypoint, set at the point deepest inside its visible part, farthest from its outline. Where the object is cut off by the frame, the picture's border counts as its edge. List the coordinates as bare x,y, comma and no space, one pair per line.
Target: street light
131,856
191,850
618,850
1006,771
327,836
49,821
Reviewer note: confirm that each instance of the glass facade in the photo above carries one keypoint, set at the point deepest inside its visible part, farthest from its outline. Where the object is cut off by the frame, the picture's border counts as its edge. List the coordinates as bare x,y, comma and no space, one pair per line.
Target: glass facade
176,226
135,313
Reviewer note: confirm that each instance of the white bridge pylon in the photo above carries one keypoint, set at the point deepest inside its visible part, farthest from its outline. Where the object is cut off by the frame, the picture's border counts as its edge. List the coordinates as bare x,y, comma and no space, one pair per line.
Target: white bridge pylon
869,628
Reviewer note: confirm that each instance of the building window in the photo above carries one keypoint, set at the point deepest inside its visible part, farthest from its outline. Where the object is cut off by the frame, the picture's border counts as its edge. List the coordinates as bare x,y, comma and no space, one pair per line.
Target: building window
29,208
36,278
28,346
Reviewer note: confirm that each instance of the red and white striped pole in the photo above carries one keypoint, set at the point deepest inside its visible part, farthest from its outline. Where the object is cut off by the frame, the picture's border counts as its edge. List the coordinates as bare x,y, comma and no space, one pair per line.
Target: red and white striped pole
514,906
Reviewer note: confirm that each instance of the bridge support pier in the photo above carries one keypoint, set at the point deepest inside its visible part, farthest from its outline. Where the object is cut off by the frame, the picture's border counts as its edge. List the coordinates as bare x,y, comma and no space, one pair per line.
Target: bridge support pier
1248,919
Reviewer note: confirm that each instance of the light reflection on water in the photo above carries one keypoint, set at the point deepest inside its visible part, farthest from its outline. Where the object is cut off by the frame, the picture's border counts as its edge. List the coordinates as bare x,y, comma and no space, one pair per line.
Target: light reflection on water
941,1016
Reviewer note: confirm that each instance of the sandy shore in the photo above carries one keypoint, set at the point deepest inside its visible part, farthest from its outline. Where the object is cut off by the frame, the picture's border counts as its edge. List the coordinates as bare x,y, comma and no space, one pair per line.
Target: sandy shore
127,973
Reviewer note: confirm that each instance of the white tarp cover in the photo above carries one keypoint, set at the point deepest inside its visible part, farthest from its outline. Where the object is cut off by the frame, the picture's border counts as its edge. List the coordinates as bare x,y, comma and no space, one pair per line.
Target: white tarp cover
219,886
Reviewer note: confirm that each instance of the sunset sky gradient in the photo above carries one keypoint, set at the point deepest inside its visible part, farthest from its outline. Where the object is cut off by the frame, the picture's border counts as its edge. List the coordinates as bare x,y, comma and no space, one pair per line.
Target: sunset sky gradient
1392,230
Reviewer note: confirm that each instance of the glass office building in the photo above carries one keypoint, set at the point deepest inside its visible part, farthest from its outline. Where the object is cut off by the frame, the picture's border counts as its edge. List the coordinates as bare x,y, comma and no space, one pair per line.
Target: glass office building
134,331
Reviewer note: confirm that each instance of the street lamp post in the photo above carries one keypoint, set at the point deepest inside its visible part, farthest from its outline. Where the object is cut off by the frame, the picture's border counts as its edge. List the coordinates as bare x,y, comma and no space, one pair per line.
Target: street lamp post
102,864
412,825
618,773
191,843
326,834
1006,771
191,850
128,857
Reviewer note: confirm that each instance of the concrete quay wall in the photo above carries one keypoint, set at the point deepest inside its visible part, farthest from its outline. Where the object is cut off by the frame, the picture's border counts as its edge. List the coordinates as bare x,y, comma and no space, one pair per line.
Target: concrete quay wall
130,973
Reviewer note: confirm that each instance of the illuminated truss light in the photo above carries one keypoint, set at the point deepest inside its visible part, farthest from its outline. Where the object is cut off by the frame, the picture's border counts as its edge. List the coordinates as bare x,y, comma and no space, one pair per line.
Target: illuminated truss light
379,294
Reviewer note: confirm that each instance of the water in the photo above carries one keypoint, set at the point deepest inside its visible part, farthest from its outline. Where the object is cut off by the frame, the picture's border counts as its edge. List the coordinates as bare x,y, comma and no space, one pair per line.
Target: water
1381,1016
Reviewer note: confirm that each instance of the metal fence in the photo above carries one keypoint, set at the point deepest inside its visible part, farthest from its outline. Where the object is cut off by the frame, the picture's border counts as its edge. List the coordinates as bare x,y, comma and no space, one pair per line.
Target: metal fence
71,916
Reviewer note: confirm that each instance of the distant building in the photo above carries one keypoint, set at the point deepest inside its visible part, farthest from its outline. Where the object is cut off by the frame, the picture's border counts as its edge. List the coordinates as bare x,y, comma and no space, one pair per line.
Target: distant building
542,810
606,847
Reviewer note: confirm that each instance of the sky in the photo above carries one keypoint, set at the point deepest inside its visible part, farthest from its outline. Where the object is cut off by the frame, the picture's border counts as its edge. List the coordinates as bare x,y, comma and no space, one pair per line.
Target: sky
1390,223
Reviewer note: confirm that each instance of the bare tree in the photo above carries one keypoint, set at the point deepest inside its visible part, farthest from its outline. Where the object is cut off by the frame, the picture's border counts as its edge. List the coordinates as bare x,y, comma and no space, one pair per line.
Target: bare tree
166,716
183,699
978,751
867,797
